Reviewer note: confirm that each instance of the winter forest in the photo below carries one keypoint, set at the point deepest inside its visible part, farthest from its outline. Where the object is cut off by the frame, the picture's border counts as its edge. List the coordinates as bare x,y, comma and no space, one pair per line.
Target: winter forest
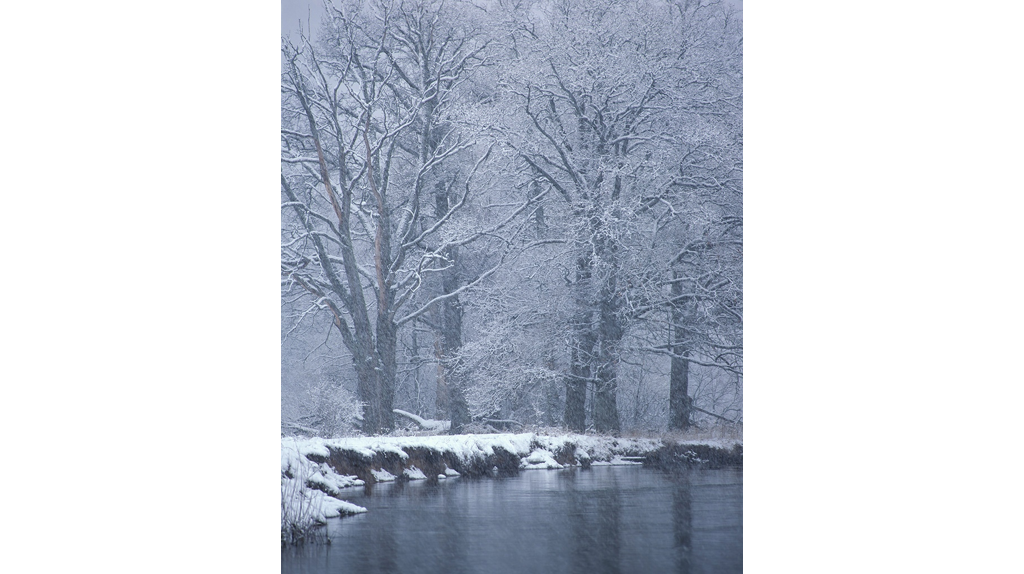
511,215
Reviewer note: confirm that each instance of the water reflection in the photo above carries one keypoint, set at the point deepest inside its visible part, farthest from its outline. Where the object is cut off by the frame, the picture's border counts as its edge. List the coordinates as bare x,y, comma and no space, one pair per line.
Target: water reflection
682,520
594,527
454,534
603,520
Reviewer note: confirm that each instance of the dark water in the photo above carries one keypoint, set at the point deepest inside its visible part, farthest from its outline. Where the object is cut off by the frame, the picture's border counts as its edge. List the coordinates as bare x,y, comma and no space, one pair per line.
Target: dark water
606,519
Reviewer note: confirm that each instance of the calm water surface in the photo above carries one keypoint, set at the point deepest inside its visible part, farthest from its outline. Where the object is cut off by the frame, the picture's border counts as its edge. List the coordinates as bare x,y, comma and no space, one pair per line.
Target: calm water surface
606,519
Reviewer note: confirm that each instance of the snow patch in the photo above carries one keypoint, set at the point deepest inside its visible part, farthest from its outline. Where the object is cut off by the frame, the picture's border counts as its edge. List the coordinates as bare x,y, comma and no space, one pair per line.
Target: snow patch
719,443
295,465
308,487
301,505
382,475
618,460
414,473
539,459
425,424
334,508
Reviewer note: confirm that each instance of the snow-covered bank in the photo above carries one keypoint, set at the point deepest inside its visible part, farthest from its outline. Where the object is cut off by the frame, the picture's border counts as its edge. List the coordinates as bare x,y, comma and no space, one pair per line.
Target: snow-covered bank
308,492
315,472
336,463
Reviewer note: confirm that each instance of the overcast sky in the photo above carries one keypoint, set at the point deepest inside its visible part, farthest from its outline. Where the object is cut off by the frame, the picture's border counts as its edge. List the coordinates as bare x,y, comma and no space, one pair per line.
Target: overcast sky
295,11
306,11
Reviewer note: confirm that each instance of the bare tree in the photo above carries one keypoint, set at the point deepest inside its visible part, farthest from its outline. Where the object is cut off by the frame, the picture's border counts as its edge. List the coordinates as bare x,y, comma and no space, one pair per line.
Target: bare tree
364,147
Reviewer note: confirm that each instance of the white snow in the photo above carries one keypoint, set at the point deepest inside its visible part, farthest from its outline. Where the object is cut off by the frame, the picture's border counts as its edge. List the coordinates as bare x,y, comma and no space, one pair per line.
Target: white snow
305,485
722,443
303,505
425,424
332,507
539,459
619,461
295,463
536,451
414,473
382,475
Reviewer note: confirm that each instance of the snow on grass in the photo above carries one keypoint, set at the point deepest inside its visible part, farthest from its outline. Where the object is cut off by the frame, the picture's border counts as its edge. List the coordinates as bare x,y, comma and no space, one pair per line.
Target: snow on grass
295,463
601,448
313,505
326,480
337,507
308,489
476,446
539,459
534,451
470,447
305,509
616,460
722,443
382,475
414,473
464,447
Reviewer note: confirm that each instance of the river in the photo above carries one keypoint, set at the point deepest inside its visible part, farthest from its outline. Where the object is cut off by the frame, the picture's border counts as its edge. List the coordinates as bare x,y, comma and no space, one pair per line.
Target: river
599,520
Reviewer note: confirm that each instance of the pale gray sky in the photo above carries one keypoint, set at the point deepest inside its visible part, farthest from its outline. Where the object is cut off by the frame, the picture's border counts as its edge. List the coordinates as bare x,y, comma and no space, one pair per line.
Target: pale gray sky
309,12
295,11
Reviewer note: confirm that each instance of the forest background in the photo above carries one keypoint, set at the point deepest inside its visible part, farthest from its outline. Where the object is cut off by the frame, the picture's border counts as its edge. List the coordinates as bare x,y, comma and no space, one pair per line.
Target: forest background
513,215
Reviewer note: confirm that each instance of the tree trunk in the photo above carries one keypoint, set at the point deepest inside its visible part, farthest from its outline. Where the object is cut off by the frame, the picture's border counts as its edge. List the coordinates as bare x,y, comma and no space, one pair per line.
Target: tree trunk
609,333
576,392
581,350
679,376
451,397
451,345
678,393
606,413
387,349
441,401
387,330
367,385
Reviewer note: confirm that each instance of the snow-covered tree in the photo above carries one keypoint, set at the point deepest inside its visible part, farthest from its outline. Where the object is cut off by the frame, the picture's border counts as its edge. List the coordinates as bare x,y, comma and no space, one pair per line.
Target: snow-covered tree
376,180
618,106
541,200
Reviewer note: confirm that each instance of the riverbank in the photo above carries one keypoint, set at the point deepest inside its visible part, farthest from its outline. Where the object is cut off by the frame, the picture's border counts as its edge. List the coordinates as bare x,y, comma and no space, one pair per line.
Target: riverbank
315,473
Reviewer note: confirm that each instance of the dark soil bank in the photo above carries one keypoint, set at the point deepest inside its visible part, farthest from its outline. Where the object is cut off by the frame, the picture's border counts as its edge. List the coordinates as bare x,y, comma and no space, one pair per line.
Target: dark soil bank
433,462
673,456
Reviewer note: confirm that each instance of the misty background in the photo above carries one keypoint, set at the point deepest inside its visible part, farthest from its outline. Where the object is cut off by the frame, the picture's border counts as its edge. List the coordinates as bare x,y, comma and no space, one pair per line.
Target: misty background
552,236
